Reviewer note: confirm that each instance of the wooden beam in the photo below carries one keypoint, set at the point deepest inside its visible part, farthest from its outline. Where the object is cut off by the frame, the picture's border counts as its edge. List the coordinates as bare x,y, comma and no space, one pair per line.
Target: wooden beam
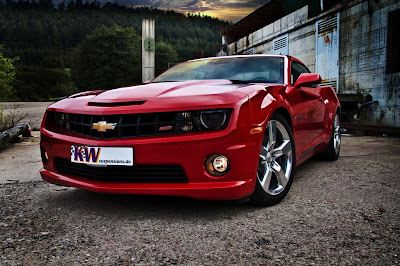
13,133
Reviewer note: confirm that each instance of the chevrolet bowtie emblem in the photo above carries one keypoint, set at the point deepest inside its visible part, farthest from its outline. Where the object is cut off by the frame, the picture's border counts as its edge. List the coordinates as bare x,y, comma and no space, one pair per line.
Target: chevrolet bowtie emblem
102,126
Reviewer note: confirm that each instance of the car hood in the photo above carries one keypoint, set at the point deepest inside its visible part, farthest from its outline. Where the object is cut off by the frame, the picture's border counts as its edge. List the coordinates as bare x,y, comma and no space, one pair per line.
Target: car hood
166,96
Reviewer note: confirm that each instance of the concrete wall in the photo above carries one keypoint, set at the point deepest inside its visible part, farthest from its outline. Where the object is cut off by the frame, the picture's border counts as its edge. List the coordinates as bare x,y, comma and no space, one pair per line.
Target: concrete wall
262,39
362,58
300,29
362,51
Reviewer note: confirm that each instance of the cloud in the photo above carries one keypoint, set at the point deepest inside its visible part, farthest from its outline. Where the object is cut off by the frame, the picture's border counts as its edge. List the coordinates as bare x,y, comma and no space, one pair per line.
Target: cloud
194,6
160,3
192,3
130,2
240,4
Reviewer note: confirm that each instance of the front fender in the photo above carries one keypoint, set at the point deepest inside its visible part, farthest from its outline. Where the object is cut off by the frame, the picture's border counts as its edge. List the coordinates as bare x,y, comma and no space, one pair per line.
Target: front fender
268,101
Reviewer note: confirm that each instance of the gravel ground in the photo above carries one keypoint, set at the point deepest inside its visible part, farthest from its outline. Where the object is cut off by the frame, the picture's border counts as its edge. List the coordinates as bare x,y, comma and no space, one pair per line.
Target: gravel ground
343,212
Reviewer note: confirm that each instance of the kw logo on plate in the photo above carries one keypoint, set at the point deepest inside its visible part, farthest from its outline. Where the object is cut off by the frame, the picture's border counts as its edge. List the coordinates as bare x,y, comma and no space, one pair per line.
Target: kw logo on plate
86,154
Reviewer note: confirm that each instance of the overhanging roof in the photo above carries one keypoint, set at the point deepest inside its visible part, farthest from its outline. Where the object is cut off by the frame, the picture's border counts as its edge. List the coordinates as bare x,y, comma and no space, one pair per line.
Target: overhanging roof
266,14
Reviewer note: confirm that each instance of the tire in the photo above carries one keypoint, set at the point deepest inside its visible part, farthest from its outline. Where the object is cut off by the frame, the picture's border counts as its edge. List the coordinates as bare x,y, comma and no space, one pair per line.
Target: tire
332,151
276,163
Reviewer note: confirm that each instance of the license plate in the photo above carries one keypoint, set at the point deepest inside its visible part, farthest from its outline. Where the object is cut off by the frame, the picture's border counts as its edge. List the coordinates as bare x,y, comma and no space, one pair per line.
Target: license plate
102,156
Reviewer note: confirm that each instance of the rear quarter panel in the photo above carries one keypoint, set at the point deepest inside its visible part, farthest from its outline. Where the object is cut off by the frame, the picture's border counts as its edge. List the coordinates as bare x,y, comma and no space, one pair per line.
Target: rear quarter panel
332,105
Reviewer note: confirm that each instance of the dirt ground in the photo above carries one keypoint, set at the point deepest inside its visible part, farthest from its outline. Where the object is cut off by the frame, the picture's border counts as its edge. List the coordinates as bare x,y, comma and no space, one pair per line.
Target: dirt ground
342,212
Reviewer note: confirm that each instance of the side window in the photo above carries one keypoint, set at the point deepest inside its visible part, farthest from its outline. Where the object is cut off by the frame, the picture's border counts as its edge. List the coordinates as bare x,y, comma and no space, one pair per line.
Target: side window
296,70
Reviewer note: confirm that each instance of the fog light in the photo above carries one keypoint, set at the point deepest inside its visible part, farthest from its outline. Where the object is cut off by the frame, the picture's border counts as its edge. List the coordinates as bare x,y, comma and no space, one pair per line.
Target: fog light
217,165
220,163
44,155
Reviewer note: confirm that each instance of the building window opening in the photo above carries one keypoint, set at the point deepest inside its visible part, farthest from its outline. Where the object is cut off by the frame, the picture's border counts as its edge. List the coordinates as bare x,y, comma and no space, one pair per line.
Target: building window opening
393,42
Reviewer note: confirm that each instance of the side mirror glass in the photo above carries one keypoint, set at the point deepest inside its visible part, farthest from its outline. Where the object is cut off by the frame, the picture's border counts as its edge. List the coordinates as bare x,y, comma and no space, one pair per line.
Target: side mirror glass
307,80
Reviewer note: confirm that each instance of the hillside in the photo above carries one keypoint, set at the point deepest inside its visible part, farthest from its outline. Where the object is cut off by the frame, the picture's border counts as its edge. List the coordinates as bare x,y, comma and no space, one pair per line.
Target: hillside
44,36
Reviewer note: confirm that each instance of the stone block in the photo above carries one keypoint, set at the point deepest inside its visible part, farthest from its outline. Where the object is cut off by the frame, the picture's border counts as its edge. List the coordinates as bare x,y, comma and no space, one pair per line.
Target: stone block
277,26
267,31
376,20
355,10
302,14
231,48
284,23
256,37
290,20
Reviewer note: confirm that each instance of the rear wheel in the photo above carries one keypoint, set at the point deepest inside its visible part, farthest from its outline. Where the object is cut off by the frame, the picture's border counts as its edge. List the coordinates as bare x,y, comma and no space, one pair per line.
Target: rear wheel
332,152
276,163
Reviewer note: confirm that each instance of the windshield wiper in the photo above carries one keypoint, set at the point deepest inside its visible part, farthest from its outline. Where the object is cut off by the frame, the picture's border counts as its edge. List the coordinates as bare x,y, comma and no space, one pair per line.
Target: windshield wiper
238,81
161,81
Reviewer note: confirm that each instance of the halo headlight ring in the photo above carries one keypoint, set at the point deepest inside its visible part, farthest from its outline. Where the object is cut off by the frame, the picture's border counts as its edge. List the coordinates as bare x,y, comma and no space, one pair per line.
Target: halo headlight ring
211,119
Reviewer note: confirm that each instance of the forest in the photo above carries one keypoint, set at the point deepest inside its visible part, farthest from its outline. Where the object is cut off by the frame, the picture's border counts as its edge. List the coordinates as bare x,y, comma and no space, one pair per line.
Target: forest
59,50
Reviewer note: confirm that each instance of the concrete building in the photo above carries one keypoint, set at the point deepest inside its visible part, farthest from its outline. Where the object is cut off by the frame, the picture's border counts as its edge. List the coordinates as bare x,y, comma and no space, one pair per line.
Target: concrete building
353,44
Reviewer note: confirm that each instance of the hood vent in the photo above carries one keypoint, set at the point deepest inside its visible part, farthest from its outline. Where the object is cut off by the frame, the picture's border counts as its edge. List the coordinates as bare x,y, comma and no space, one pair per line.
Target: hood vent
110,104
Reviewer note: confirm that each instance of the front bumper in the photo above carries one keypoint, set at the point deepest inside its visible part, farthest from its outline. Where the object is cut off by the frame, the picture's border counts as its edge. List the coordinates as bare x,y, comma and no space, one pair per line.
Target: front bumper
189,152
210,190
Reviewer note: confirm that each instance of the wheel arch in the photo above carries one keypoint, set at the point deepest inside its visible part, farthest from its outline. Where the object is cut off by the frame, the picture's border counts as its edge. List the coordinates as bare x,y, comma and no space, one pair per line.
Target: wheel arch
285,113
339,109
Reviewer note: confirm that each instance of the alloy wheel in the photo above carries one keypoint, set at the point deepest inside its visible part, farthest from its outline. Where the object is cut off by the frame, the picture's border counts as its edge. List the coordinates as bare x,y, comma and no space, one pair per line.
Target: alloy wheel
276,159
336,134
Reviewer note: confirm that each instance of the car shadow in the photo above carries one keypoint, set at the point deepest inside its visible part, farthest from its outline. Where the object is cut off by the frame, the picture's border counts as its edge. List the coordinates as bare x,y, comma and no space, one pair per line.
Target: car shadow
167,207
143,206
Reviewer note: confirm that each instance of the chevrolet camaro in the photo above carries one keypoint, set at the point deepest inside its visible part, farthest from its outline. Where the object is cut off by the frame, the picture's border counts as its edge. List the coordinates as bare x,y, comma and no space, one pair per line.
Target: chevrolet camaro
226,128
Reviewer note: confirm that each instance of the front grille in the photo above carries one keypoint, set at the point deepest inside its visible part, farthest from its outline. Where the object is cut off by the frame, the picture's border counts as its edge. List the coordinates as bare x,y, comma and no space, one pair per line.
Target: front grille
127,126
131,125
123,174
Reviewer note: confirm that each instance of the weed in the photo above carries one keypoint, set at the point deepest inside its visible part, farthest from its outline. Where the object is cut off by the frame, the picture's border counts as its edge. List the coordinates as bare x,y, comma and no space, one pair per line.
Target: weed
10,120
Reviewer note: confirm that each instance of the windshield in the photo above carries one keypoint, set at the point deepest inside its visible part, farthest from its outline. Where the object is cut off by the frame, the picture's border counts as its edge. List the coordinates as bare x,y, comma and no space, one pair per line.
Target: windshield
246,69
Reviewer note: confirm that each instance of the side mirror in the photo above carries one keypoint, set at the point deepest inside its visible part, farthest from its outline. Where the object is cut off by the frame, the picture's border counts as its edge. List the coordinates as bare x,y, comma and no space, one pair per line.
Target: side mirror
307,80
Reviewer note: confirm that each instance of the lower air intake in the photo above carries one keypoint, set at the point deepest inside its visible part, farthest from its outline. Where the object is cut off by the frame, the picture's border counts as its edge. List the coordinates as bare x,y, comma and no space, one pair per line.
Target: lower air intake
123,174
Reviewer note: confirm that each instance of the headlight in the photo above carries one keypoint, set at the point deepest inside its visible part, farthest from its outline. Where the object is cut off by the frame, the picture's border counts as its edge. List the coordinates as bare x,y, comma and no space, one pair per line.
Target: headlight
202,120
211,119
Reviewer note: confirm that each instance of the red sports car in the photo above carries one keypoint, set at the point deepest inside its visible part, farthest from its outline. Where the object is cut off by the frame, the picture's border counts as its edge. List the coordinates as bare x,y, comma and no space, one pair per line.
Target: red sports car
217,128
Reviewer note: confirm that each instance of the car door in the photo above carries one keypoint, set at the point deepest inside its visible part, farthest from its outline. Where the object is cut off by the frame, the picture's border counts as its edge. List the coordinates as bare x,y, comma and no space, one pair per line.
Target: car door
309,113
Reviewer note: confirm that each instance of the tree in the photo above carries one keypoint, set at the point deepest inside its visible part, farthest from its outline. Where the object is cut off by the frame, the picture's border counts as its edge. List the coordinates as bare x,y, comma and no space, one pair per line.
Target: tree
38,83
61,6
108,58
46,4
165,54
7,75
71,5
78,4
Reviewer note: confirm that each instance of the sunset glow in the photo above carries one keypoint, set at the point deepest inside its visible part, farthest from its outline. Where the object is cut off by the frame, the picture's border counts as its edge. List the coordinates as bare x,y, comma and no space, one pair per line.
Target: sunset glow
229,10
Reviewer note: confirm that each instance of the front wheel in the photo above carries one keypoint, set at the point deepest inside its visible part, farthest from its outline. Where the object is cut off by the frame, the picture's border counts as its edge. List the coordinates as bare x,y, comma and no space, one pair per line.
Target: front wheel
276,163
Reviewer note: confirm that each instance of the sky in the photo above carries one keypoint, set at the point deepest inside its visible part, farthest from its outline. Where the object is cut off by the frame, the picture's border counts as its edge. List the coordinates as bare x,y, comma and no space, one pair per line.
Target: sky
230,10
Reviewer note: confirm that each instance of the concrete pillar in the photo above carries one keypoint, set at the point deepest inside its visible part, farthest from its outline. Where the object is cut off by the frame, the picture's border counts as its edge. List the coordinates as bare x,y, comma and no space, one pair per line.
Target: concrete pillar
148,49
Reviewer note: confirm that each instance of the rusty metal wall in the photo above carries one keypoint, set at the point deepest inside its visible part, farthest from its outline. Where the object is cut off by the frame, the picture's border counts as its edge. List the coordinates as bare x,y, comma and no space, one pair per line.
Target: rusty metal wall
362,62
327,50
